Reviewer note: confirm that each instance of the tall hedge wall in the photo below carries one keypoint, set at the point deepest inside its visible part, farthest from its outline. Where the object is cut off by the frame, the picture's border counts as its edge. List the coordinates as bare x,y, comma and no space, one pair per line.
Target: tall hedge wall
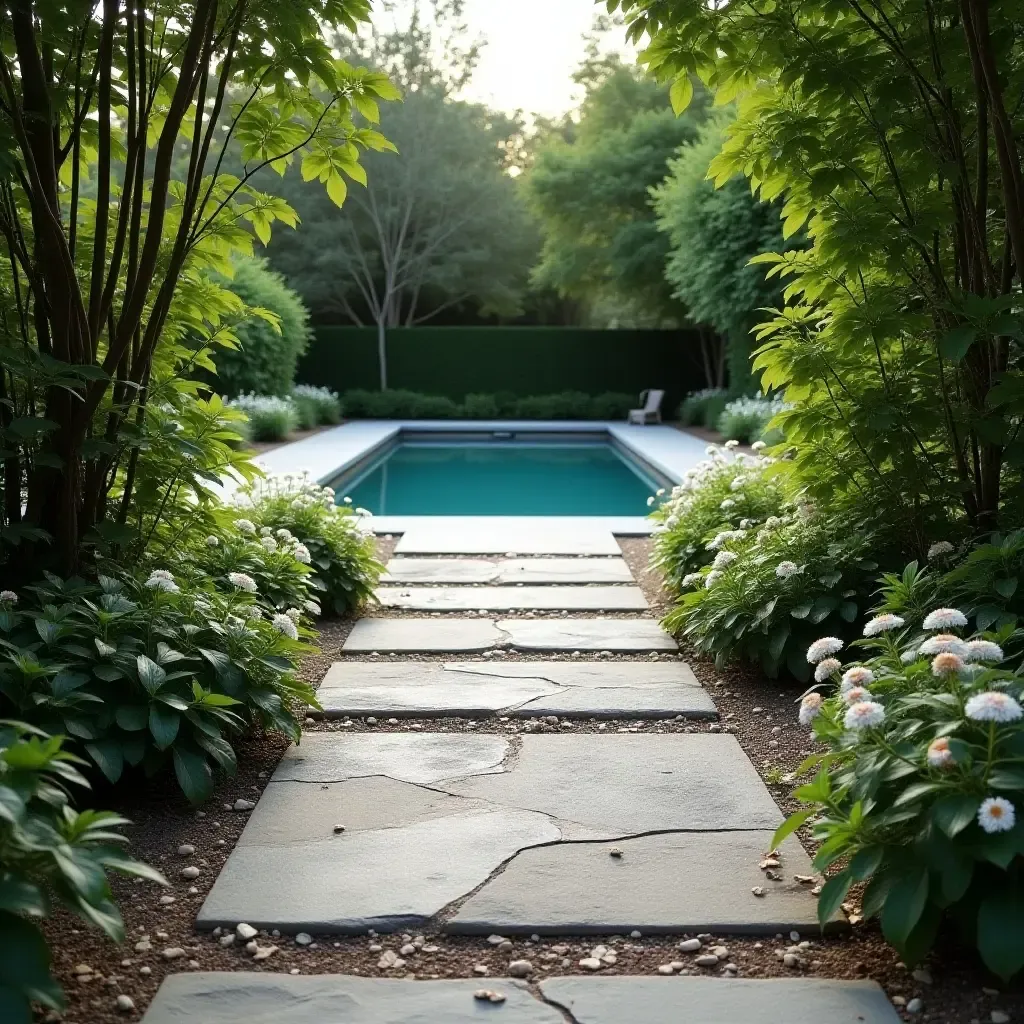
456,361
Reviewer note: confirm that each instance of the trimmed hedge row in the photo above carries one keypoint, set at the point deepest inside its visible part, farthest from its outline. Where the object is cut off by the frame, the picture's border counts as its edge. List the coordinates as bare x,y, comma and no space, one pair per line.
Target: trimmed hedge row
411,405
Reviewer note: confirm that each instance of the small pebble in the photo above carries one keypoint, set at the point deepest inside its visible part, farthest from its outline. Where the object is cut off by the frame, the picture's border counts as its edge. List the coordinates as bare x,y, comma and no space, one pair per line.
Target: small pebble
915,1006
999,1017
590,963
190,872
520,969
125,1003
186,850
245,931
706,960
303,939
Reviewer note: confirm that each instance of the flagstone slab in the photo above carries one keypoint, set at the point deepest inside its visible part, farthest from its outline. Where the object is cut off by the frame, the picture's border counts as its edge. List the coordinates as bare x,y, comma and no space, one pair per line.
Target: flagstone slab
533,598
415,636
629,783
586,635
207,997
582,689
464,635
508,535
676,882
615,1000
418,758
507,571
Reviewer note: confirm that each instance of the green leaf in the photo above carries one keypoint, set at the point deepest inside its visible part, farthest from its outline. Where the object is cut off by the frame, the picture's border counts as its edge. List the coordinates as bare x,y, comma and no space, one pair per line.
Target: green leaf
1006,587
132,717
163,724
790,825
151,675
866,862
1001,933
109,756
904,905
193,774
954,813
954,344
680,93
25,969
833,892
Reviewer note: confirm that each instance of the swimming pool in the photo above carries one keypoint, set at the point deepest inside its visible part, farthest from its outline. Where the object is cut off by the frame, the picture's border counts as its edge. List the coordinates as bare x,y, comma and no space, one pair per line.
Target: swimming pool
501,478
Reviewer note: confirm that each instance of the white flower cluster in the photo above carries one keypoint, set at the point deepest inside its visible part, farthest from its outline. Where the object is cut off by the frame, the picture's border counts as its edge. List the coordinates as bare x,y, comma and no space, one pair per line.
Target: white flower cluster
317,394
262,405
8,597
283,623
242,581
161,579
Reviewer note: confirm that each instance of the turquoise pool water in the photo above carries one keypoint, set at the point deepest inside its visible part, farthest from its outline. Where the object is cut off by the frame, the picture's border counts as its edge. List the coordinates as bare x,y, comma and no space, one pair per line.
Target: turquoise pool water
501,479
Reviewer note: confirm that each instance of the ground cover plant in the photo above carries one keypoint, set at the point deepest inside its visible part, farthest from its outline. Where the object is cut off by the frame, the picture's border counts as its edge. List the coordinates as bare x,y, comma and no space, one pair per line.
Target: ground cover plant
50,856
919,793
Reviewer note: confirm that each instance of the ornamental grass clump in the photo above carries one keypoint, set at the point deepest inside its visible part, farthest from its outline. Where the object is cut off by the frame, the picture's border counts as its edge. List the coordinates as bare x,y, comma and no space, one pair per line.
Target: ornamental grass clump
920,794
268,417
318,406
719,501
336,540
746,420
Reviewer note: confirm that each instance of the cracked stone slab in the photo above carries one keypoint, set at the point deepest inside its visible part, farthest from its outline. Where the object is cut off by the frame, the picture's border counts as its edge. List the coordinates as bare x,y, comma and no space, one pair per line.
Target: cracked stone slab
423,635
584,689
712,1001
209,997
540,598
677,882
390,879
412,636
417,758
507,571
496,535
626,784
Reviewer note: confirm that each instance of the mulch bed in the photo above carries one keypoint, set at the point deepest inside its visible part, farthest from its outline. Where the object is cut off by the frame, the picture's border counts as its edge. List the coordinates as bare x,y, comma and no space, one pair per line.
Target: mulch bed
952,986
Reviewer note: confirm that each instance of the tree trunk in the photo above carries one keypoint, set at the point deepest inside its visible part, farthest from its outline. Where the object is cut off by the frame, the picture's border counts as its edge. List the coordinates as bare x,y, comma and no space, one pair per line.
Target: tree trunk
382,352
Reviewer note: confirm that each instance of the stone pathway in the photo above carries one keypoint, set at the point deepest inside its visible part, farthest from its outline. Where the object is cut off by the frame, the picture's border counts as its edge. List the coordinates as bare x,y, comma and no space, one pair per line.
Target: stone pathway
514,832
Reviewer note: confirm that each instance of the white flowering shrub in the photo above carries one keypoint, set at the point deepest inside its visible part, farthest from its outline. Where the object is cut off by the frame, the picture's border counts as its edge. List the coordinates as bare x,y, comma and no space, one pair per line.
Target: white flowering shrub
771,589
921,792
336,540
315,405
727,493
747,419
268,417
160,669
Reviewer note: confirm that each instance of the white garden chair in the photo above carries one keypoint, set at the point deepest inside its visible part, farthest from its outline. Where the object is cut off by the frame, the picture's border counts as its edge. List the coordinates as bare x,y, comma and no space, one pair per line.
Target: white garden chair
651,408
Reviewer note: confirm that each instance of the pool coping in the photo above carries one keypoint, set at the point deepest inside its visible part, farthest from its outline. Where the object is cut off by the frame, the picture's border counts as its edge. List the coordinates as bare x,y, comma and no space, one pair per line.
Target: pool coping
664,451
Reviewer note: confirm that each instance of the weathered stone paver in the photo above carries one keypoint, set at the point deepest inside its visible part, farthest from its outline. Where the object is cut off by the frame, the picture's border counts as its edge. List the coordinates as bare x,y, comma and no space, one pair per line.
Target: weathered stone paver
533,598
510,536
507,571
679,882
712,1001
581,689
271,998
428,818
455,635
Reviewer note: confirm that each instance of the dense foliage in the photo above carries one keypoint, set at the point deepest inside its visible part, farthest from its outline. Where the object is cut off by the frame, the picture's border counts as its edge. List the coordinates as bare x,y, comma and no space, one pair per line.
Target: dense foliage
896,141
714,234
267,417
747,419
50,855
316,406
342,550
270,340
703,408
919,792
116,120
565,405
164,668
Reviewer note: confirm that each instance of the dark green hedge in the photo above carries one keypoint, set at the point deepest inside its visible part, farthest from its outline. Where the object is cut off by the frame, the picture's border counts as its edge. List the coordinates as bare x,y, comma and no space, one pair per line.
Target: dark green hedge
398,404
454,362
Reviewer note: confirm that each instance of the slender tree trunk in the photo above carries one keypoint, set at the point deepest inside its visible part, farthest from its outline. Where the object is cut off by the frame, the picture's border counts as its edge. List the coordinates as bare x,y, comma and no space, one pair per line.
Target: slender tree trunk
382,351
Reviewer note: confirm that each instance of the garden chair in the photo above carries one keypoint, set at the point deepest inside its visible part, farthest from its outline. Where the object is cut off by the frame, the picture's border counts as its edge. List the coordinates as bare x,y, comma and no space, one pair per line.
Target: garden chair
651,408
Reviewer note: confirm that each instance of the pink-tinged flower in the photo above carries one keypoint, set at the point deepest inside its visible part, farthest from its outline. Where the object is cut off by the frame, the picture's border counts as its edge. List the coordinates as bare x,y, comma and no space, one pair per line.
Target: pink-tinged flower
864,715
883,624
827,667
947,664
983,650
993,706
945,618
943,643
856,694
823,648
810,708
996,814
939,754
858,675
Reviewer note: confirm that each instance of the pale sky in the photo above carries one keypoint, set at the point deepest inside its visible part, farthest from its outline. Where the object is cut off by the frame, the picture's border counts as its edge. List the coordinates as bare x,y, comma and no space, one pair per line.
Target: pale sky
532,48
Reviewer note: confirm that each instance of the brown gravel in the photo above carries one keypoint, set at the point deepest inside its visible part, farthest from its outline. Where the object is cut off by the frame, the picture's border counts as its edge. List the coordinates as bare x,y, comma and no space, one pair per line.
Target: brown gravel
955,990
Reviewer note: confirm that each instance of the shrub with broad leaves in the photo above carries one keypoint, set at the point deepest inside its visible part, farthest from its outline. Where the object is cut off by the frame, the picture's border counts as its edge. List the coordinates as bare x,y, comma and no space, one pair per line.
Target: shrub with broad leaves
720,500
335,539
50,855
921,792
156,669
